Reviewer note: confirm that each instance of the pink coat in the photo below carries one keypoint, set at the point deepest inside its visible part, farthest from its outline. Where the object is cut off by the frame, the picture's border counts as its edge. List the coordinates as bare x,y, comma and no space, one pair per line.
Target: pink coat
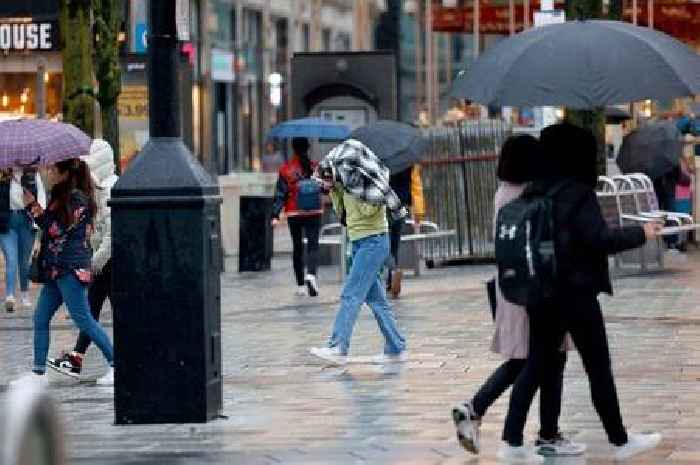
512,328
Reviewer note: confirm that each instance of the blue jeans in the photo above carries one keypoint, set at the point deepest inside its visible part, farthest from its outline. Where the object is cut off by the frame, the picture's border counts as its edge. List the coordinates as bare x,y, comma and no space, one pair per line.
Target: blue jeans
71,291
17,244
363,285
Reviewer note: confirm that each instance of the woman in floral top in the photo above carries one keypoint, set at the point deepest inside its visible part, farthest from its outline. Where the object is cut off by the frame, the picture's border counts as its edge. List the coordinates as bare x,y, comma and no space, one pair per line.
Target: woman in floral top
65,258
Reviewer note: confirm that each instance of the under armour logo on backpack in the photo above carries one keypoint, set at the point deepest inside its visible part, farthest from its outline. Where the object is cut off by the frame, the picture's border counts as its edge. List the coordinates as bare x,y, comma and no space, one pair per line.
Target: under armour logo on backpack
508,232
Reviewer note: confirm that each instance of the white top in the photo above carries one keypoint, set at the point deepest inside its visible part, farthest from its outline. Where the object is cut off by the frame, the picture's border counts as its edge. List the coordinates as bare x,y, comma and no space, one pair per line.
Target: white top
17,192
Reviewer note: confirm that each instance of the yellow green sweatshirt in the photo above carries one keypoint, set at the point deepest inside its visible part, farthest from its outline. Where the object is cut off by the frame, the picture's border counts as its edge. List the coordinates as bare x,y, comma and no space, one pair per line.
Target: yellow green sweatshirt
363,219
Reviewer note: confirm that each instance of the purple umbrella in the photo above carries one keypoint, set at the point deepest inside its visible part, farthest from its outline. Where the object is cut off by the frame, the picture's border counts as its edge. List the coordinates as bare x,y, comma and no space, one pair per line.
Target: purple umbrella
40,142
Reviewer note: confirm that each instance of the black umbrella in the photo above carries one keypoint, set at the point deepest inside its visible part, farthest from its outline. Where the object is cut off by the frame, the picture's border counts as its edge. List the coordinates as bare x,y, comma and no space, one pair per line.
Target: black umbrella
398,145
581,64
654,149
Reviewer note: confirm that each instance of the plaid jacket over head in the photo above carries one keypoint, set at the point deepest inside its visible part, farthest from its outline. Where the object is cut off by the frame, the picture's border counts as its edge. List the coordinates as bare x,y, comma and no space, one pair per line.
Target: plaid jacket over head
363,175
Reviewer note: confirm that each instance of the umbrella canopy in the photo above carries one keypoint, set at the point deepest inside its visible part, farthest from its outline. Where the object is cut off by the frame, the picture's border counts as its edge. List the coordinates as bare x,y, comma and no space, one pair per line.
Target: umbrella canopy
398,145
27,142
581,64
310,127
654,149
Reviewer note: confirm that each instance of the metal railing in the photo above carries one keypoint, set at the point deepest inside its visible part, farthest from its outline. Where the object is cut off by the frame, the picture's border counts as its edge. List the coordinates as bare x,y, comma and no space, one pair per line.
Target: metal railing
459,181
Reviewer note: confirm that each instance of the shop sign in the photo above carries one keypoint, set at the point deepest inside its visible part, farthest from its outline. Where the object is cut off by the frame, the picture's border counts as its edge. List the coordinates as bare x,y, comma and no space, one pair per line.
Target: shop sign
133,102
140,39
28,36
222,66
493,18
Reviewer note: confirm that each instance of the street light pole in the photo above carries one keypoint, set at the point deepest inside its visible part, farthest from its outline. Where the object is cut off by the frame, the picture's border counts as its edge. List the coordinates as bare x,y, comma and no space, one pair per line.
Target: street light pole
166,261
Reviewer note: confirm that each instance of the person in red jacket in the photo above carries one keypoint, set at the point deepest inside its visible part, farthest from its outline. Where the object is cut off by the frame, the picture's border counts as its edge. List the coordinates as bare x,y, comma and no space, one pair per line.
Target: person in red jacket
303,214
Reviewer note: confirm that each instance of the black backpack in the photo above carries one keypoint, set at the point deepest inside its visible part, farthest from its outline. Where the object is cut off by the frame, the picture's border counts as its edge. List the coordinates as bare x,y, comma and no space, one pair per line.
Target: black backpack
525,252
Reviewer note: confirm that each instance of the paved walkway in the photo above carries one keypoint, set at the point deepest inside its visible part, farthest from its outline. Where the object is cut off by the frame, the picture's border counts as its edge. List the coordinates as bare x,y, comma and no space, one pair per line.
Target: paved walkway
283,407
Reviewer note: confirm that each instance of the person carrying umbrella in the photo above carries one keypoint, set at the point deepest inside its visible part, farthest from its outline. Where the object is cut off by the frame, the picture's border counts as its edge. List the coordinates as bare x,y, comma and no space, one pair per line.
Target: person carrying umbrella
400,147
65,260
18,231
300,197
359,187
583,241
409,187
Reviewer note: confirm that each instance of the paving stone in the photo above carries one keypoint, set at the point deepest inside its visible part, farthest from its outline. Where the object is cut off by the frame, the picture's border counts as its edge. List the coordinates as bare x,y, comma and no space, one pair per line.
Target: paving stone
285,407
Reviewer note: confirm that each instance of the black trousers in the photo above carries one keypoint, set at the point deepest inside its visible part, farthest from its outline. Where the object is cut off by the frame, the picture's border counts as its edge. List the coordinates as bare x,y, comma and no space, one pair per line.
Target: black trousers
99,291
550,397
581,316
300,227
395,228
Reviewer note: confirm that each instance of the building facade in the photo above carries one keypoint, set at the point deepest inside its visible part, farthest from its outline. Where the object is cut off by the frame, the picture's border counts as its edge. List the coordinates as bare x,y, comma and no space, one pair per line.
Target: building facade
30,60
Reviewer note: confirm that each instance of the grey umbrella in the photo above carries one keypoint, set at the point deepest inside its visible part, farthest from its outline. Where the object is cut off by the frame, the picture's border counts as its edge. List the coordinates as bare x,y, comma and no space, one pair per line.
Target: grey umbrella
581,64
654,149
398,145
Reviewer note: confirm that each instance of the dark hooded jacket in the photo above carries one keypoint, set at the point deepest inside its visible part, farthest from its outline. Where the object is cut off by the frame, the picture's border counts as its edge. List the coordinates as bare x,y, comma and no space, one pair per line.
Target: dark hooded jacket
582,238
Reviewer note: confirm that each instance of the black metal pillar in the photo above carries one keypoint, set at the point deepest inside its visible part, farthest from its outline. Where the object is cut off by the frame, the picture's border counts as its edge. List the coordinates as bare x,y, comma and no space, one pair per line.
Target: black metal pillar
166,262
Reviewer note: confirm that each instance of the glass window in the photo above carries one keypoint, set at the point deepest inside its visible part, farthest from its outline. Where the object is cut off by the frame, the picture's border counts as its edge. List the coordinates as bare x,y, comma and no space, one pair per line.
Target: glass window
306,37
326,38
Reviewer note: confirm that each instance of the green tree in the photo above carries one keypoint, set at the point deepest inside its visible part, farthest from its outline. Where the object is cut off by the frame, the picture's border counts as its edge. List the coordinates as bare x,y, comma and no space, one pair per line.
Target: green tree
592,119
108,18
76,50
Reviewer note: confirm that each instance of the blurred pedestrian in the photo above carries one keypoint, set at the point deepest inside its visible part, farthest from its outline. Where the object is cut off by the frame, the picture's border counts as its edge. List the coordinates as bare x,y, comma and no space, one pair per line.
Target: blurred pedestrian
409,188
582,242
102,168
66,260
272,159
519,163
18,231
353,177
300,197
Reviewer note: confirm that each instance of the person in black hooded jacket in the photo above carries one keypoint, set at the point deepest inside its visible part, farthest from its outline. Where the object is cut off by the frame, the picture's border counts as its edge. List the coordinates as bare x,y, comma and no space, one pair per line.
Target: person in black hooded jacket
582,243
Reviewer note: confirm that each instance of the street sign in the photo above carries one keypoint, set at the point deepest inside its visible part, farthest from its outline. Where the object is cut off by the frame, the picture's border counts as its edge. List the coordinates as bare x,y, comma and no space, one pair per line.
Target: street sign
222,66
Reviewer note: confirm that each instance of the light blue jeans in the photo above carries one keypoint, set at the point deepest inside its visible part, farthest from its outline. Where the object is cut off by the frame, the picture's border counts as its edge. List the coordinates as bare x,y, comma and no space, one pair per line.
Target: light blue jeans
363,285
71,291
17,244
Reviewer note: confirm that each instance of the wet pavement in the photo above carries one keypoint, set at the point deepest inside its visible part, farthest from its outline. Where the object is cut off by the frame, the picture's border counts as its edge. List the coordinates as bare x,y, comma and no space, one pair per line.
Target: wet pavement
284,407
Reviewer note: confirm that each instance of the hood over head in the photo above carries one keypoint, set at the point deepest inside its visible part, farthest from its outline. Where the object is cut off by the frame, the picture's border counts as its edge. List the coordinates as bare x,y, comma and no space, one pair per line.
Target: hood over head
100,160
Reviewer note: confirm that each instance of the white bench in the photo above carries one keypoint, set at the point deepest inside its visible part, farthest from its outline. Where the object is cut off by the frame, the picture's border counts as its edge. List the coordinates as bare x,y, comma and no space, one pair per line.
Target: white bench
332,235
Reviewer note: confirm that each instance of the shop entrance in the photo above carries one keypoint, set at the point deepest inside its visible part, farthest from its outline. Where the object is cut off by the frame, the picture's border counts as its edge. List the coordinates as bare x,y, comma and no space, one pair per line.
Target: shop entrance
18,95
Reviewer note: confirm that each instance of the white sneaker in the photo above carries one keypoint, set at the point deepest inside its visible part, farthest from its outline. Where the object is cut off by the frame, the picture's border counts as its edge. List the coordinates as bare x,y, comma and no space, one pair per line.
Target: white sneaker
559,447
301,291
31,379
330,354
107,379
10,303
311,285
522,454
467,424
25,301
636,444
384,359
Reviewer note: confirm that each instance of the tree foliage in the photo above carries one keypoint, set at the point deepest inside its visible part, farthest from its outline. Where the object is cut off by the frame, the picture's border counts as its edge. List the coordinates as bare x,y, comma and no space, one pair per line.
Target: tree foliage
108,18
592,119
76,49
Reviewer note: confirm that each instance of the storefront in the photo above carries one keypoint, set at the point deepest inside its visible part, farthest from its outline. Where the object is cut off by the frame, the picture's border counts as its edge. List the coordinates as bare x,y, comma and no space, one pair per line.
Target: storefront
30,61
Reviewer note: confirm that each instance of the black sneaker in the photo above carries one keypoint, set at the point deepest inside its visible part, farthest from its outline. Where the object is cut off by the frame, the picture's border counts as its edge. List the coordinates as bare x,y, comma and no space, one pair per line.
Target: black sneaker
68,364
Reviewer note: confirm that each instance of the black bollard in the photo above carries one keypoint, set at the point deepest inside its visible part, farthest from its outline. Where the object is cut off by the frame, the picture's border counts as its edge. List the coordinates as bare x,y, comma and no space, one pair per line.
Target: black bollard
166,262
